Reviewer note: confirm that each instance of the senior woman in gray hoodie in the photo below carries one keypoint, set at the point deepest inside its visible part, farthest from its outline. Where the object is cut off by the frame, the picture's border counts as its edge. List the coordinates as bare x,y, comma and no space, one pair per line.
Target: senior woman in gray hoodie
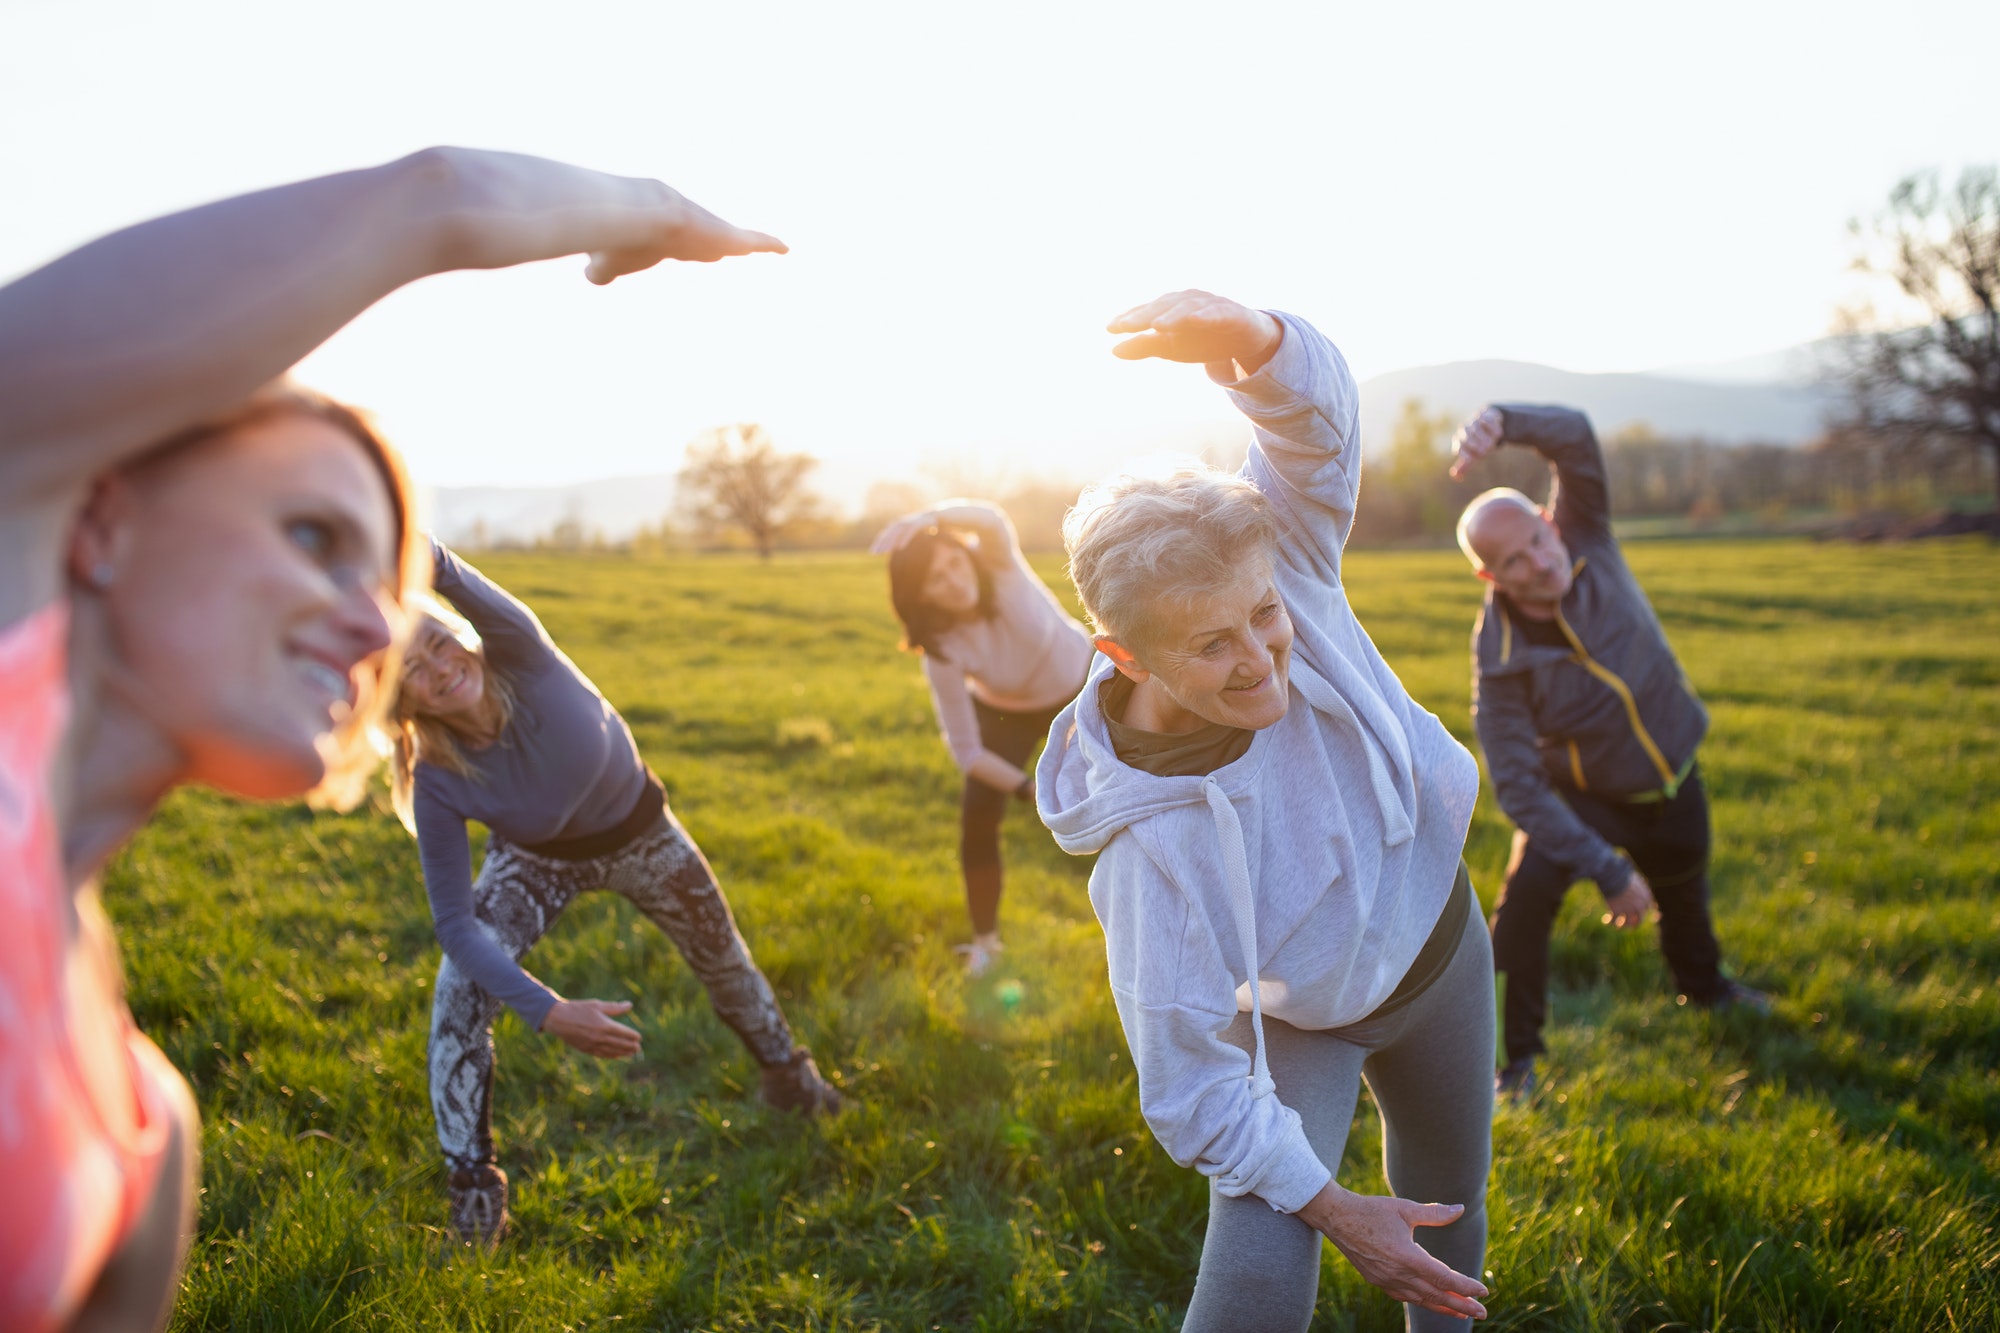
1279,828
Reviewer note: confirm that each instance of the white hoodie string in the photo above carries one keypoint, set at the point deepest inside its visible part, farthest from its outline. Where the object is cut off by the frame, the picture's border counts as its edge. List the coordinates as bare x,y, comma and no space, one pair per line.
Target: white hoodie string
1236,870
1396,826
1396,829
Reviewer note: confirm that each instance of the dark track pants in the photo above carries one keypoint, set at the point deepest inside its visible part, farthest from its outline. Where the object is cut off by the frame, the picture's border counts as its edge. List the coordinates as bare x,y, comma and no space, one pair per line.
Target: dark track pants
1012,736
1669,842
518,897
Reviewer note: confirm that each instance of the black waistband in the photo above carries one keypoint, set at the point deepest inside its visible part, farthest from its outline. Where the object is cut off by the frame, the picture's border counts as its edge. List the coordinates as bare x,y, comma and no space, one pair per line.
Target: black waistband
648,810
1439,949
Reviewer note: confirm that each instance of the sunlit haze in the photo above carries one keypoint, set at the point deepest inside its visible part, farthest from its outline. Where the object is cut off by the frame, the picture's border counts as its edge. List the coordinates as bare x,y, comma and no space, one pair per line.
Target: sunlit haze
971,192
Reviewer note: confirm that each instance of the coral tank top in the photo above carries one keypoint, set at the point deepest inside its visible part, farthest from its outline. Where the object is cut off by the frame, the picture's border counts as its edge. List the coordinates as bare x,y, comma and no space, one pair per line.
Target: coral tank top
83,1121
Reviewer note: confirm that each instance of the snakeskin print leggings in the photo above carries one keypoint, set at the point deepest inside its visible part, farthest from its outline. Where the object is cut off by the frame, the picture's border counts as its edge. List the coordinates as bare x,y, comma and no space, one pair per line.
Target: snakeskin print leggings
519,895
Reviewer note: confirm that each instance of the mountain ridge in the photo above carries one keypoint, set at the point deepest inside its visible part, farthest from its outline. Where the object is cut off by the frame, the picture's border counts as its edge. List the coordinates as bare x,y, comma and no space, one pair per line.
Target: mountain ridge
1724,411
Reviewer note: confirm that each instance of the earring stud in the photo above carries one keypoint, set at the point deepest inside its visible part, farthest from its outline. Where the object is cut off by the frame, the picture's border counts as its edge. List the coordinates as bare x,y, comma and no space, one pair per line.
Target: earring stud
101,574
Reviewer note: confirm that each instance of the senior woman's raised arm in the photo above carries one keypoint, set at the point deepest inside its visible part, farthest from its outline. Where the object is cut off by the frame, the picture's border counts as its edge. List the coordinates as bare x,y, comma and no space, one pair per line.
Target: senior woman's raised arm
1295,388
135,336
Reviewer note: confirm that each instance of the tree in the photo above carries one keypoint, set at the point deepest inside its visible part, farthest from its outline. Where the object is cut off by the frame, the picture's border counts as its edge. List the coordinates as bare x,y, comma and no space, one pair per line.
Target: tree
1419,449
734,475
1938,380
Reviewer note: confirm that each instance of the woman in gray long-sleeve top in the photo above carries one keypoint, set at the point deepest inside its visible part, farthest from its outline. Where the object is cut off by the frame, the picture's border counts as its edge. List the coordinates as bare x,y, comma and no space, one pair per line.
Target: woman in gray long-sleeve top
495,724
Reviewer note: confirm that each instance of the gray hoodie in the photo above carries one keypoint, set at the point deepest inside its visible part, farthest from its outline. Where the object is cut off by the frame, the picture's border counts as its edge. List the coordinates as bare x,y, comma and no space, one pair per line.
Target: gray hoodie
1317,863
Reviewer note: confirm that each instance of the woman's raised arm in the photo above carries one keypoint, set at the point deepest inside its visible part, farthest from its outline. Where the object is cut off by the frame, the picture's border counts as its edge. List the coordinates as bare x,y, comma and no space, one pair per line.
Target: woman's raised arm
997,540
135,336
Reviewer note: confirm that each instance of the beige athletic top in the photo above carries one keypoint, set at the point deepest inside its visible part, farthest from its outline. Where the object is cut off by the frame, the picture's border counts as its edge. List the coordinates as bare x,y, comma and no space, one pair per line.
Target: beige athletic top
1029,656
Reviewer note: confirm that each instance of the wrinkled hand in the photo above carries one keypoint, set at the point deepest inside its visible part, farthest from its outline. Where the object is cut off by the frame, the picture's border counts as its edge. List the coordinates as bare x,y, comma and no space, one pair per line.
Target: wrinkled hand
898,534
1375,1233
1201,328
1475,439
1631,905
587,1025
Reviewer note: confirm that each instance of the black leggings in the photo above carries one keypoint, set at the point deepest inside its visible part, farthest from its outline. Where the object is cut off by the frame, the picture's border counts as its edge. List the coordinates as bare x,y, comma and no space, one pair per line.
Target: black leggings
1669,842
1012,736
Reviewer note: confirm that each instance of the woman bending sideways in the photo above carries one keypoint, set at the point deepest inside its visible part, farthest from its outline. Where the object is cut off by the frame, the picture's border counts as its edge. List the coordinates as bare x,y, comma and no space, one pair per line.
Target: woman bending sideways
1278,828
1002,658
494,723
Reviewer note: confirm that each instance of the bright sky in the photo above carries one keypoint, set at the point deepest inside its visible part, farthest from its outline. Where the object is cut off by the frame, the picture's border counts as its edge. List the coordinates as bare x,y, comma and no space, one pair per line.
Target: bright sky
970,192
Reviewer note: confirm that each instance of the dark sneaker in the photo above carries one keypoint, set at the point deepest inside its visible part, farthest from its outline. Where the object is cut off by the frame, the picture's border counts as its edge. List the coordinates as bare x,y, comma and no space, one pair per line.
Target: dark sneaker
1736,995
796,1085
1515,1083
479,1204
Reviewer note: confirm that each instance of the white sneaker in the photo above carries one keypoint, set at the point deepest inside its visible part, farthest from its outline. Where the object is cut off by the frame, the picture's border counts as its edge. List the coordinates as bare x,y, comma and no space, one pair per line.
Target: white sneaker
980,954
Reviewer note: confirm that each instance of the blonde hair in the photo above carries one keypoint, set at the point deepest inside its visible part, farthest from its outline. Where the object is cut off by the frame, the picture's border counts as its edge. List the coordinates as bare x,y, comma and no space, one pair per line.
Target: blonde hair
411,737
1141,544
351,751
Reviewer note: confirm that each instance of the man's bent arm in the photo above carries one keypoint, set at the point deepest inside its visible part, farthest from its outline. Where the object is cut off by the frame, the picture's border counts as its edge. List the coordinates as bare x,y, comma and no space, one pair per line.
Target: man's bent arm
1501,716
1580,499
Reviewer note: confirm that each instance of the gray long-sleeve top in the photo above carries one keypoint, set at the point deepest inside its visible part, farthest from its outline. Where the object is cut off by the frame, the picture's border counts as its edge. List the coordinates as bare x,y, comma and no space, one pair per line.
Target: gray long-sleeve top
565,767
1553,716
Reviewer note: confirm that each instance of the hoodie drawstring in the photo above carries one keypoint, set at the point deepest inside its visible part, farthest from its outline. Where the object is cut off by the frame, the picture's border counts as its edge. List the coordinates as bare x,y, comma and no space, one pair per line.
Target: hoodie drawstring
1236,869
1396,826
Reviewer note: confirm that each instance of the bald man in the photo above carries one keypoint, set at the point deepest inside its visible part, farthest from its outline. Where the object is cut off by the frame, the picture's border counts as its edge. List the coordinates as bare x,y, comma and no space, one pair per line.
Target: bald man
1589,727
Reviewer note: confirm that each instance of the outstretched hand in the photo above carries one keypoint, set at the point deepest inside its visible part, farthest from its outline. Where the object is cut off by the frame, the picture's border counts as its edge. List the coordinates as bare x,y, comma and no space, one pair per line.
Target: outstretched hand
587,1025
513,208
1376,1233
1201,328
676,227
1476,439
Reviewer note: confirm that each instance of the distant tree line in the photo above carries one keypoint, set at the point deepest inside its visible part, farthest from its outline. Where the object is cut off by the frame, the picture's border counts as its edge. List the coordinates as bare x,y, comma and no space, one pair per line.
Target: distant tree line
1406,496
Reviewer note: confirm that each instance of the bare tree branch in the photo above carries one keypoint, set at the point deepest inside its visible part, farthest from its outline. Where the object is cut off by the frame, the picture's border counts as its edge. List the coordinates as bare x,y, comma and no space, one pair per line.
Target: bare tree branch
1938,380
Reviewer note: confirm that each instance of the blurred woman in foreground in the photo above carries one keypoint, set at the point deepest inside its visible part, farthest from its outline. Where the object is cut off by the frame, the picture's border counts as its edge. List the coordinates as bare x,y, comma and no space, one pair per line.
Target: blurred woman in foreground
1002,658
1279,828
198,581
494,723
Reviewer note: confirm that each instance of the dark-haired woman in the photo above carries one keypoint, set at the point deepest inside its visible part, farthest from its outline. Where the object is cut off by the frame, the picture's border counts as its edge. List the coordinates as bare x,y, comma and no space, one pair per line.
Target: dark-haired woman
494,723
1002,657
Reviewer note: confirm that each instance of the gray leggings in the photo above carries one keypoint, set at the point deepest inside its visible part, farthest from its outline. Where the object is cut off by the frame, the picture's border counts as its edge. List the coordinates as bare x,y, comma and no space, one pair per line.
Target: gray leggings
519,895
1430,1067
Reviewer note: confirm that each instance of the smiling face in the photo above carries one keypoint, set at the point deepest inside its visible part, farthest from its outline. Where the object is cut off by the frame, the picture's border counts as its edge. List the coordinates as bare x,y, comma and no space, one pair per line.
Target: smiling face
1223,656
442,678
952,584
1523,554
244,580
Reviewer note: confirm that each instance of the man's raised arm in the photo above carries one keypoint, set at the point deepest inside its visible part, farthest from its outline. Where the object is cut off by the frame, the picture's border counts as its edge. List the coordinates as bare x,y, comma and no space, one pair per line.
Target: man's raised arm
1580,499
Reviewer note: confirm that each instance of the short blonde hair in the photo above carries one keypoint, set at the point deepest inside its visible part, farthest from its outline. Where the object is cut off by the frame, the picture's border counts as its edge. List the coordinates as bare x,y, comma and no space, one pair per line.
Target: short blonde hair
1140,545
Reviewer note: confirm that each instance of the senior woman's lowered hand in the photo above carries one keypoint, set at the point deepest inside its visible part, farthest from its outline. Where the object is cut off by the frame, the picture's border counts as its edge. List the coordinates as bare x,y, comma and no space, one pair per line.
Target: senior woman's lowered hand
1375,1233
1199,327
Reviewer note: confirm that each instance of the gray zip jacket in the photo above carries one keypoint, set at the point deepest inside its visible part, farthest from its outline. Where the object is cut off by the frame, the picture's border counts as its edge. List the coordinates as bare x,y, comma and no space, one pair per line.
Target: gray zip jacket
1612,713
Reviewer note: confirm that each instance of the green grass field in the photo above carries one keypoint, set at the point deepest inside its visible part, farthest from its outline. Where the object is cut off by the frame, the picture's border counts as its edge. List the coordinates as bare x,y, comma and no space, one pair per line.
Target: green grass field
1834,1165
